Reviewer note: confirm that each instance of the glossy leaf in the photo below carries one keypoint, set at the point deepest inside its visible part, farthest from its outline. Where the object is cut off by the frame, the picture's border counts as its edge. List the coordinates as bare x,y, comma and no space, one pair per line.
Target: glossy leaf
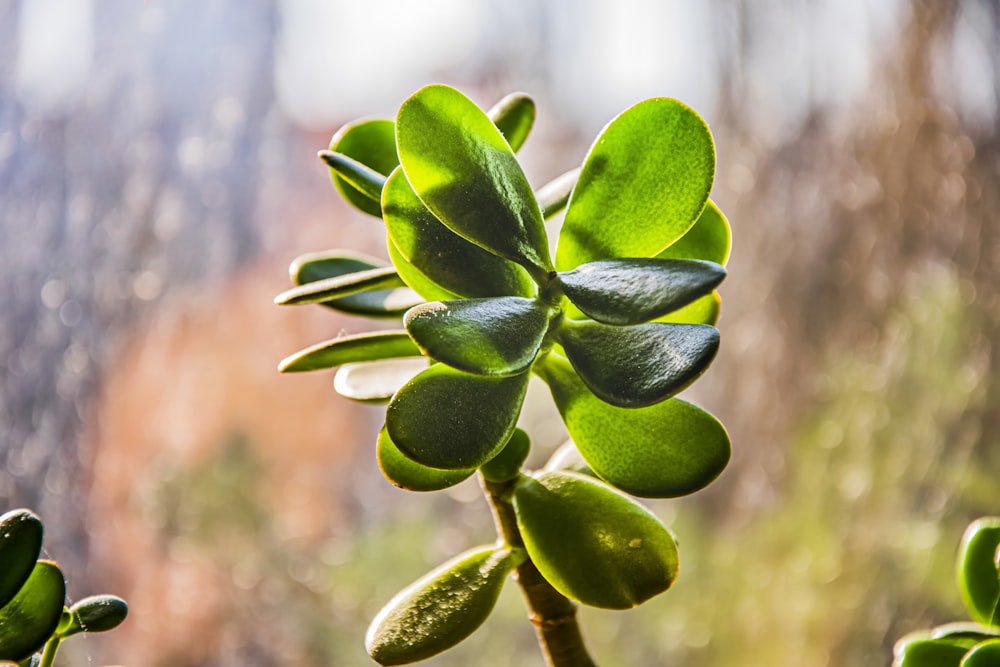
986,654
666,450
440,254
710,238
507,464
442,608
410,475
376,381
97,613
447,419
592,543
554,195
630,291
373,144
371,346
315,266
29,619
340,286
644,183
514,115
640,365
978,573
21,535
499,336
464,171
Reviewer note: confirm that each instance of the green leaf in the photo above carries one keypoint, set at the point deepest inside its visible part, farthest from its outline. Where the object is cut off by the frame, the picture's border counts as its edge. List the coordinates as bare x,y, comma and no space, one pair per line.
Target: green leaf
702,311
442,608
643,185
464,171
364,179
373,144
447,419
340,286
440,254
371,346
710,238
630,291
918,651
415,278
97,613
498,336
636,366
410,475
554,195
30,618
592,543
978,576
986,654
315,266
507,464
514,115
666,450
376,381
21,534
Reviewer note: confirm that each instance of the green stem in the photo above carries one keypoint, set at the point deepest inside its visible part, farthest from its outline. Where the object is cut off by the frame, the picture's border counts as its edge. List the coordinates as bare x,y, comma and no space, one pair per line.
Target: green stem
49,654
552,614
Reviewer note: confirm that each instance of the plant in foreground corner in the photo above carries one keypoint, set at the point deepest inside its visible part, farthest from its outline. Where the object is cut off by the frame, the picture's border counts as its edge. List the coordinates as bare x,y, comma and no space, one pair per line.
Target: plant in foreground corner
34,617
965,644
616,322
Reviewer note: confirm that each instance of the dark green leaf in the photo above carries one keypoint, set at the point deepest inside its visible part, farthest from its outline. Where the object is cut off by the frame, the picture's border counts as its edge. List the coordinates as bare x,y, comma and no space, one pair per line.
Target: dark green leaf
709,238
447,419
554,195
986,654
363,179
410,475
376,381
514,115
918,651
97,613
499,336
669,449
630,291
20,544
315,266
978,576
371,346
443,256
464,171
643,185
636,366
965,630
507,464
340,286
30,618
373,144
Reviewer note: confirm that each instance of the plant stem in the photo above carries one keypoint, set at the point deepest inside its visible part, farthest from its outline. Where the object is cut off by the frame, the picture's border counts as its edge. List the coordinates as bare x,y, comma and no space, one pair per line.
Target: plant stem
552,614
49,654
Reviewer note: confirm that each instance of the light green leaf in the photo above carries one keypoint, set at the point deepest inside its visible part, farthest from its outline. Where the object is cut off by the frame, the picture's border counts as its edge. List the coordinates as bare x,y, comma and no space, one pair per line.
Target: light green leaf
371,346
21,535
464,171
441,255
507,464
592,543
373,144
315,266
447,419
97,613
410,475
978,575
363,179
710,238
643,185
498,336
630,291
340,286
636,366
702,311
514,115
29,619
376,381
986,654
666,450
554,195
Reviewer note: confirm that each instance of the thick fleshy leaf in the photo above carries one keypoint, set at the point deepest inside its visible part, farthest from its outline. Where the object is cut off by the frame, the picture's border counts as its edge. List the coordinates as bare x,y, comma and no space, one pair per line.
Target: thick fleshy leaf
978,572
29,619
702,311
21,535
965,630
499,336
410,475
636,366
448,419
666,450
413,277
554,195
440,254
986,654
710,238
373,144
592,543
377,381
97,613
371,346
514,115
507,464
630,291
442,608
364,179
340,286
918,650
464,171
315,266
644,183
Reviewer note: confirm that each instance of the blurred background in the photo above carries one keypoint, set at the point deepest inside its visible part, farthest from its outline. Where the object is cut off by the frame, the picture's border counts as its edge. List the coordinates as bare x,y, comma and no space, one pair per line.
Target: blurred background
158,174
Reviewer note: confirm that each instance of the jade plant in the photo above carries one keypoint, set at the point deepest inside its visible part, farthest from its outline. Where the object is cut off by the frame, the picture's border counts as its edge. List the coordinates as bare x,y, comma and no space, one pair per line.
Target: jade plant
616,321
974,643
34,615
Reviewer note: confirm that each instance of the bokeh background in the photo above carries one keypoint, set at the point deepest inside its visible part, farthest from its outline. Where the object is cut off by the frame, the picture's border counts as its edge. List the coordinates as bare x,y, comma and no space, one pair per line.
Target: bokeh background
158,174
